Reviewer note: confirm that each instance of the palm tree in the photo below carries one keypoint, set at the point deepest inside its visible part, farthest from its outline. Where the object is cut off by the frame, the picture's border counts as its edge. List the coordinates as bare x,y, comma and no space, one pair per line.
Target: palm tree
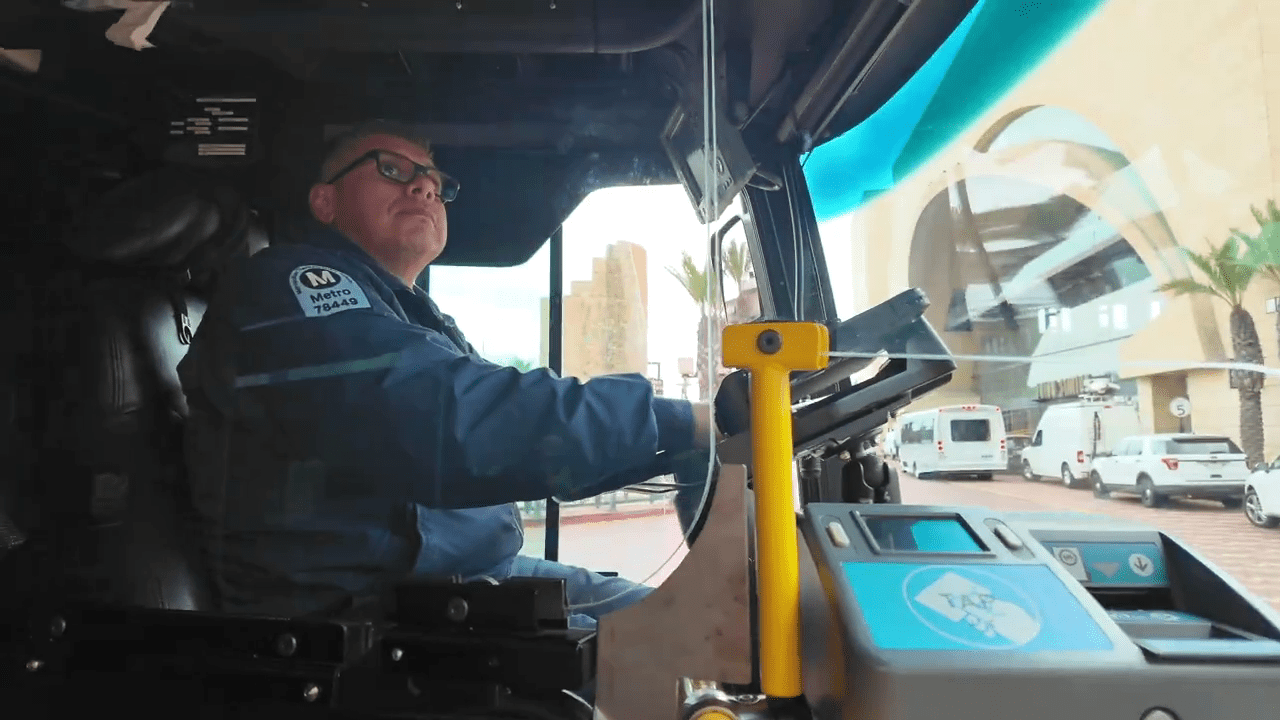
1227,276
737,262
737,265
705,290
697,282
1263,252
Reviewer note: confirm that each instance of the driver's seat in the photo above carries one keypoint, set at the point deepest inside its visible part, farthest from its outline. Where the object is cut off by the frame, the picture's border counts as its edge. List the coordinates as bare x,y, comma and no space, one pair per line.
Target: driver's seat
113,522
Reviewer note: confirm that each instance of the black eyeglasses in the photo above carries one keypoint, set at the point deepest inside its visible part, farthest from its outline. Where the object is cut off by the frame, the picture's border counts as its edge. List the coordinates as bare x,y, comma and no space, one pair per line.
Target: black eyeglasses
398,168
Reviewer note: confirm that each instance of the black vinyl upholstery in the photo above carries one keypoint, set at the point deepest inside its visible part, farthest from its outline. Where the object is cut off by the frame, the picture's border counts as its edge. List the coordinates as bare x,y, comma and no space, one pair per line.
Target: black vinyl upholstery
114,522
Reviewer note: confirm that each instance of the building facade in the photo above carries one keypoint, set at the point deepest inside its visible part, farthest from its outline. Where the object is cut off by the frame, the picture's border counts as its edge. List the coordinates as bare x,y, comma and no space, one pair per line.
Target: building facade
606,323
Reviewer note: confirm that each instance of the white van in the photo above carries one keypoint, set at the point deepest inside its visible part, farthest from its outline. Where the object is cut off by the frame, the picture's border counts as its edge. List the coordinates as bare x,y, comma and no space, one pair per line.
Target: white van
889,444
953,441
1071,434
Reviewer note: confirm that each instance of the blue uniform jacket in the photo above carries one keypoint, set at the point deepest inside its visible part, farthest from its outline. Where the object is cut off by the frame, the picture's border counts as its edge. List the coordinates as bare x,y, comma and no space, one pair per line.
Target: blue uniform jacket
344,435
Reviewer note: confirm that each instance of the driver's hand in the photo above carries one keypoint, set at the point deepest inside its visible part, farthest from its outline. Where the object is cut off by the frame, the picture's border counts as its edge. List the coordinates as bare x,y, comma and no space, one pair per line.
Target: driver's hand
703,426
733,403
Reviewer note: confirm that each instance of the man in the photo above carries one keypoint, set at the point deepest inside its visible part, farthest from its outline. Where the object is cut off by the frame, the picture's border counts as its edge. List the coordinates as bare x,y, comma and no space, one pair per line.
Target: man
344,434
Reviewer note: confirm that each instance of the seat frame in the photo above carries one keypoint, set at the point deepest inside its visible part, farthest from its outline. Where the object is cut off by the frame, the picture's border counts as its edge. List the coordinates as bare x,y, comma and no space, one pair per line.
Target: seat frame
458,647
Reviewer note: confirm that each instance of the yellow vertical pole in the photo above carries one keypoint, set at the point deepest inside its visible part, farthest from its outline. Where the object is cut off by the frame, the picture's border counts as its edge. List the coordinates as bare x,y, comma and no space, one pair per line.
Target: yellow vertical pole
769,352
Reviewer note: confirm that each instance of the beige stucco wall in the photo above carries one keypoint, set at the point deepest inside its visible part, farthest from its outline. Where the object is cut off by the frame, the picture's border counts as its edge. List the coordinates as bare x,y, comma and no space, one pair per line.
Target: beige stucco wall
1216,408
1190,93
606,317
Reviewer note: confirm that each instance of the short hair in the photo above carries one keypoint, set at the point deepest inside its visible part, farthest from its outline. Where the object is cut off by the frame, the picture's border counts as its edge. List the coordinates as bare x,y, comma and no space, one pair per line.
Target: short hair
334,156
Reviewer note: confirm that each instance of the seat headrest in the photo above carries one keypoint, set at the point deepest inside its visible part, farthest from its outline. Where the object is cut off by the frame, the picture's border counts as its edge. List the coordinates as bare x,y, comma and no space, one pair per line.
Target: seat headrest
172,219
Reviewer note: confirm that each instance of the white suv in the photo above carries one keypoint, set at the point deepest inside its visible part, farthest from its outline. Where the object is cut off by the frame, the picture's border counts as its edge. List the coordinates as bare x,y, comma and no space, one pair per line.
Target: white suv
1262,495
1156,467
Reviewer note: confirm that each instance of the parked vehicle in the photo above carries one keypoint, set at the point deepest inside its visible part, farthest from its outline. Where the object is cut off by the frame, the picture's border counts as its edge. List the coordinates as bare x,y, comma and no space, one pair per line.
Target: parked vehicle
1262,495
1069,436
1156,467
890,443
1015,444
952,442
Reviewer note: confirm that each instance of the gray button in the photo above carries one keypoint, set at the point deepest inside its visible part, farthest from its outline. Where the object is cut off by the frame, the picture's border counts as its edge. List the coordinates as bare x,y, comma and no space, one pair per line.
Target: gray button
1011,541
838,536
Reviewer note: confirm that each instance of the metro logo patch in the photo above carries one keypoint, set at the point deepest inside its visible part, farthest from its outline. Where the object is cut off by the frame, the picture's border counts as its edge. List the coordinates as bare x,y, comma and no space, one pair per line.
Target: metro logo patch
324,291
319,278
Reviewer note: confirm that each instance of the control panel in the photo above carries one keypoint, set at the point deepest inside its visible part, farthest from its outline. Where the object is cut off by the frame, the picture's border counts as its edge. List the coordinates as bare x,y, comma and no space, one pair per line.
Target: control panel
1112,564
909,611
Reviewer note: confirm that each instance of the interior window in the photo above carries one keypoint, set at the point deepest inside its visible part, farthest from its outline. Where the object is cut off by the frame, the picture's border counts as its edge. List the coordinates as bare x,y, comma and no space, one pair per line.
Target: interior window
638,296
500,310
641,297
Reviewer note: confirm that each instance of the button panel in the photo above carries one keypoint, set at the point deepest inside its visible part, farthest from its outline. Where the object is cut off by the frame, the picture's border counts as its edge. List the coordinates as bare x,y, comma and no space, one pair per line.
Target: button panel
1007,536
835,531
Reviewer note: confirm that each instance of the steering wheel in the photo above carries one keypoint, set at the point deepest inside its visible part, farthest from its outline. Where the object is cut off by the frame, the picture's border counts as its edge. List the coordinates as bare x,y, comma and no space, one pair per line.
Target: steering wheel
690,469
693,482
873,335
733,417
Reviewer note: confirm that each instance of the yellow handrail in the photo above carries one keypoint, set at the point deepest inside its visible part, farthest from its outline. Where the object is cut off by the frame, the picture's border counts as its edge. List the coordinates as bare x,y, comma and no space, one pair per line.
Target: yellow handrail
769,352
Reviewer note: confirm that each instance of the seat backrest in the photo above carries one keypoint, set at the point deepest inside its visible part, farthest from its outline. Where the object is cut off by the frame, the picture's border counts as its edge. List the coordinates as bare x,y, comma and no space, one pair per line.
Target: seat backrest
115,522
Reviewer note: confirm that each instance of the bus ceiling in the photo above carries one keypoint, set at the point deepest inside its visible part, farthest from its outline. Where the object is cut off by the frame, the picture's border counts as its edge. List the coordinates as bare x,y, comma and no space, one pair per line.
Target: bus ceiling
836,61
554,92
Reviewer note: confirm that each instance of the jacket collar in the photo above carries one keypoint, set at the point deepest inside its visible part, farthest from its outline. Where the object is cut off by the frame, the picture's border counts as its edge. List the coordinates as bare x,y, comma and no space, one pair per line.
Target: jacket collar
310,231
313,232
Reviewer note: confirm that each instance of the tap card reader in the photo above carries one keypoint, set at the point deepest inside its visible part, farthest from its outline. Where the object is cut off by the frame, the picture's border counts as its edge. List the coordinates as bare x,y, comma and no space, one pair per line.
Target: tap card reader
924,611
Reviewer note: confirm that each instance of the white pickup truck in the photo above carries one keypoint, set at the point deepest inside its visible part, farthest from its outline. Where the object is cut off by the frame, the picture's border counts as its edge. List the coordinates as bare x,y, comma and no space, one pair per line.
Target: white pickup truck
1156,467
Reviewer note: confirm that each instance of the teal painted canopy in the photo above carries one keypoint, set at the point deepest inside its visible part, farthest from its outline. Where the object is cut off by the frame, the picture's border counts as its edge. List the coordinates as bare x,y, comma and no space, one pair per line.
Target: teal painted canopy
987,55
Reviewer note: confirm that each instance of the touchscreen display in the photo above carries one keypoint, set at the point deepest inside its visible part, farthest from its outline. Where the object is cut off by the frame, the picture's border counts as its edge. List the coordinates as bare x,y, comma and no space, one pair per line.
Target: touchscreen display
928,534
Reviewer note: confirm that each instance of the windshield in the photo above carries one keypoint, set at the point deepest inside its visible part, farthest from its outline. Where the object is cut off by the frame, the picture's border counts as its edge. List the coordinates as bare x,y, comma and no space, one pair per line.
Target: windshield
970,430
1085,191
1199,446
